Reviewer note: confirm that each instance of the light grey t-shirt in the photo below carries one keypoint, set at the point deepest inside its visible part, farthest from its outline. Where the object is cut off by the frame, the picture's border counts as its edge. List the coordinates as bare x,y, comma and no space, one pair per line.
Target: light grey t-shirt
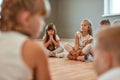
12,66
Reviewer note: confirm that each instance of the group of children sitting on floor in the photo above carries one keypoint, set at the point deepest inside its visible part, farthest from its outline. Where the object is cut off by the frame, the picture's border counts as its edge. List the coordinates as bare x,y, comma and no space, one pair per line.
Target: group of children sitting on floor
22,58
84,41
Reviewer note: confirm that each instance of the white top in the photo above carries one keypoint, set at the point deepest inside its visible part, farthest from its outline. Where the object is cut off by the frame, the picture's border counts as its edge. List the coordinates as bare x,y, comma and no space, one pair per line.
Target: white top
113,74
12,67
83,40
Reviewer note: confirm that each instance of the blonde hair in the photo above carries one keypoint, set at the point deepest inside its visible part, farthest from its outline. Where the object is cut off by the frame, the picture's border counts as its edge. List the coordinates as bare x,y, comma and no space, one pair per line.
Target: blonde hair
109,40
89,25
11,8
116,23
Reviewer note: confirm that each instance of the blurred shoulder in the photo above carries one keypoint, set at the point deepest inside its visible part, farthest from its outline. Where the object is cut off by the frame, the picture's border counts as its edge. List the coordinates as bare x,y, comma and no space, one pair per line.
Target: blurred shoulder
34,48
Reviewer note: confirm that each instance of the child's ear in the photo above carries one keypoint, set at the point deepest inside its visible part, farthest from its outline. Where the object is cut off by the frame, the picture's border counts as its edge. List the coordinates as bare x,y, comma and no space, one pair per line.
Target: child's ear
23,18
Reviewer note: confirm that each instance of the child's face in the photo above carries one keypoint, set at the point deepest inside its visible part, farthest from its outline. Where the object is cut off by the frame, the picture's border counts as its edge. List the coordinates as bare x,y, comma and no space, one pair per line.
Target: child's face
84,26
36,24
104,26
50,32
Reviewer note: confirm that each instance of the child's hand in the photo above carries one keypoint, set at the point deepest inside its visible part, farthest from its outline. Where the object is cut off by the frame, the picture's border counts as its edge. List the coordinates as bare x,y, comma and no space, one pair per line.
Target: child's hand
79,53
52,37
73,52
50,40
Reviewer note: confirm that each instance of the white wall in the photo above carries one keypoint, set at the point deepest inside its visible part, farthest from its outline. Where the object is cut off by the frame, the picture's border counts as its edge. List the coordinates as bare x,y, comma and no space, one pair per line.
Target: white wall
67,15
0,4
71,12
53,16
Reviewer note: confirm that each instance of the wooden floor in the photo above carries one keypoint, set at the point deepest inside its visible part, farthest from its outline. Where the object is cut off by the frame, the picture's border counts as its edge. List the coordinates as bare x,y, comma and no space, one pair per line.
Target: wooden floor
63,69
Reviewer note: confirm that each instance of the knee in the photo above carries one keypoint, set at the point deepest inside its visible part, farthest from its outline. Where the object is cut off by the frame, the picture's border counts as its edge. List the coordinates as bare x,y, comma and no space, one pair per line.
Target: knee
87,49
66,45
61,49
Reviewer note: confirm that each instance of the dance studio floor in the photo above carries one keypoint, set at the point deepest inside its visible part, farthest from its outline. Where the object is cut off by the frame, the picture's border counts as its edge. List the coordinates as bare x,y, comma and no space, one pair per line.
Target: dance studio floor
63,69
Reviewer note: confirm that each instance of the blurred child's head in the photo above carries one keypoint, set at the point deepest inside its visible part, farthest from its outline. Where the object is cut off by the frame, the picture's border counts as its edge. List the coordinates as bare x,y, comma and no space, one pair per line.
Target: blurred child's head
104,24
116,23
25,16
50,29
86,26
107,50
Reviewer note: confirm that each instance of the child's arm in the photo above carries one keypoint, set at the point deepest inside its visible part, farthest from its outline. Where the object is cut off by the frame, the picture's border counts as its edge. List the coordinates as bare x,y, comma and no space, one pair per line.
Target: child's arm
35,57
42,67
46,43
57,42
76,45
88,42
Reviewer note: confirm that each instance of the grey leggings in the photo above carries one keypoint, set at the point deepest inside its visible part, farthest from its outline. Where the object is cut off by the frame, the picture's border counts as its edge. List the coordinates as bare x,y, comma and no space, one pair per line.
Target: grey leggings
59,52
85,50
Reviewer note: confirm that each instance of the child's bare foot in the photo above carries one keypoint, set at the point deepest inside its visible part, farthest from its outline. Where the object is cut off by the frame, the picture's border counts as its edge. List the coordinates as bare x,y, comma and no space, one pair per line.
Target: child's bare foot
71,57
53,54
81,58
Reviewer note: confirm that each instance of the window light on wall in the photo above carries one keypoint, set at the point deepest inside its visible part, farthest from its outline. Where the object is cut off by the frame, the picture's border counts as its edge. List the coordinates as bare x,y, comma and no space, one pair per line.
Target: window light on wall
0,4
111,8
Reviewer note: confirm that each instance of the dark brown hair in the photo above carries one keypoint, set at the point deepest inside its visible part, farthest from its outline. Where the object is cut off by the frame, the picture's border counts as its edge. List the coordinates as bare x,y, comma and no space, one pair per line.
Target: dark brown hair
11,8
105,21
49,27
